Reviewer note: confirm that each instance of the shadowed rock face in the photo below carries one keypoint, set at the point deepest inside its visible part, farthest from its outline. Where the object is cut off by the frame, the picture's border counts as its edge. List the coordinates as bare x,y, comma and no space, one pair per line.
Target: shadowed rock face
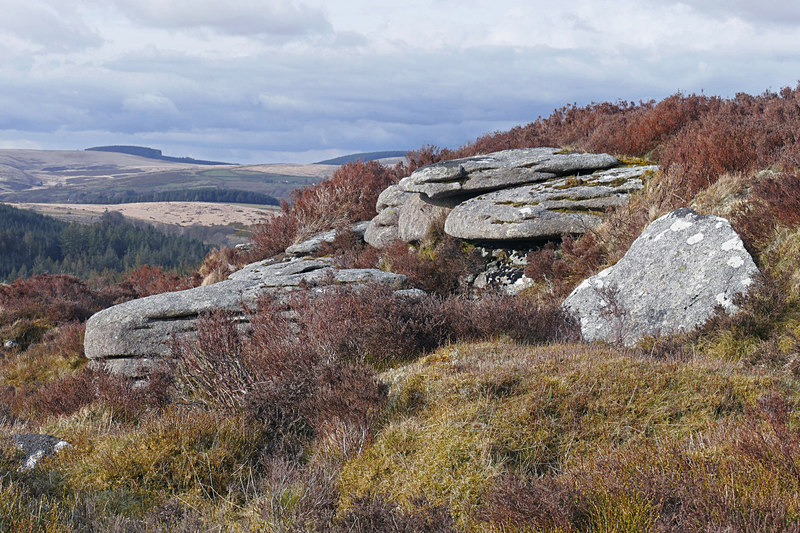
671,279
133,338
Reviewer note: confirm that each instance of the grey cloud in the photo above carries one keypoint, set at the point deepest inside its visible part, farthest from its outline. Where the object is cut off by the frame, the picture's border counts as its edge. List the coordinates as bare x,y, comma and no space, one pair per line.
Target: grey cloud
780,12
245,17
52,26
261,108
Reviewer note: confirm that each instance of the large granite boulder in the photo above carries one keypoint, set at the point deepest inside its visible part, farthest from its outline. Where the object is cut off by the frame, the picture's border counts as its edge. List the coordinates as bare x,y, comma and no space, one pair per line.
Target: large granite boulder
382,229
404,215
418,216
545,210
474,175
679,269
133,338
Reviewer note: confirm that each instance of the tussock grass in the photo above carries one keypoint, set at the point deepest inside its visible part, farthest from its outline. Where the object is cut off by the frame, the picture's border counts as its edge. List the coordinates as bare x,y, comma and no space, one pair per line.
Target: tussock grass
468,415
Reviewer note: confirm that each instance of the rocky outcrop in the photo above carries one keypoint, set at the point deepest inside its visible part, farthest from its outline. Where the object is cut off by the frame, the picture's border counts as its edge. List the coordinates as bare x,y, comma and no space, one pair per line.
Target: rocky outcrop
544,210
513,195
133,338
382,229
404,215
417,217
504,272
313,245
474,175
679,269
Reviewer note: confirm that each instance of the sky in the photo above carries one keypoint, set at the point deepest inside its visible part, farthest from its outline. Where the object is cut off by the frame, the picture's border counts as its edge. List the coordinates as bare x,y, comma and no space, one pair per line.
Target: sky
268,81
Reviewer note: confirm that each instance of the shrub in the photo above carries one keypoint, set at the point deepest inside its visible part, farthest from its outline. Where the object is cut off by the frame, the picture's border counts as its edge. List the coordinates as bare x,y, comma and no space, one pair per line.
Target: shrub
57,298
126,398
348,196
516,317
277,377
371,325
373,514
441,268
273,234
148,280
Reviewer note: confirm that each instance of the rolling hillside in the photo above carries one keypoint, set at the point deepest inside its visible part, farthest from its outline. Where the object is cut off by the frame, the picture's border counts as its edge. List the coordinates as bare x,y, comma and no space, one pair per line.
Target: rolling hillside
99,176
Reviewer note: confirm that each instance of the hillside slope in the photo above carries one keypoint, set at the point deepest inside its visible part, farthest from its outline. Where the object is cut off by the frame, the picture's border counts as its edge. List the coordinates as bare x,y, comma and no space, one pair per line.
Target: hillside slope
99,176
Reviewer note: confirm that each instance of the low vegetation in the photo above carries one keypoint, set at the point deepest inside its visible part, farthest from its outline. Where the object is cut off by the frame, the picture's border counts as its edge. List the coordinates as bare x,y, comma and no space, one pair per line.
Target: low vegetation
376,411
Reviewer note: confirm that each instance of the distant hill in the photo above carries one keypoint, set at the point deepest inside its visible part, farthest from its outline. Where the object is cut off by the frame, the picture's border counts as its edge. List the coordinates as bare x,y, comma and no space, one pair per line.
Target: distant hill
103,176
152,153
365,156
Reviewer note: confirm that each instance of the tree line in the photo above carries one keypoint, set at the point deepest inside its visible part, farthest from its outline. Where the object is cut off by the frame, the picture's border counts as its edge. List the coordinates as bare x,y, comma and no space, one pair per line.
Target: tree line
31,243
191,195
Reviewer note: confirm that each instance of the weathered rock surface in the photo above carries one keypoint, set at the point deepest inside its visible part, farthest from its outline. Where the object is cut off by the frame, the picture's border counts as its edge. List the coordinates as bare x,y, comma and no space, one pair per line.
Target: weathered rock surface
417,217
35,446
545,210
474,175
133,338
312,245
383,229
671,279
515,195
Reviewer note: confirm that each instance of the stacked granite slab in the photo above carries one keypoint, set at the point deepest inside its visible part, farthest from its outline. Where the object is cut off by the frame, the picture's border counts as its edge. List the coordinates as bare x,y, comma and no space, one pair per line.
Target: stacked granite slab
134,338
515,195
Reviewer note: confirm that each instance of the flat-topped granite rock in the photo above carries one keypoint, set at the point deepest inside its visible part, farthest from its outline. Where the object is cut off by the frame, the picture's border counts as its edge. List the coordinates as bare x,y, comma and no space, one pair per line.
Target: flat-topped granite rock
471,176
671,279
133,338
545,210
513,195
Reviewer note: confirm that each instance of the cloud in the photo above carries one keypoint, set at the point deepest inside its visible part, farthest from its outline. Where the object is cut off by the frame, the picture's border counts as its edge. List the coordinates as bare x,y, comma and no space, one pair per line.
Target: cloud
243,17
779,12
150,104
252,81
44,25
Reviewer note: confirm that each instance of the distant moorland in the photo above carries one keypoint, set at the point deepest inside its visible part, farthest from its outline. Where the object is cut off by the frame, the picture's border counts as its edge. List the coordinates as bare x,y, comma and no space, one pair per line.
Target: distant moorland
91,176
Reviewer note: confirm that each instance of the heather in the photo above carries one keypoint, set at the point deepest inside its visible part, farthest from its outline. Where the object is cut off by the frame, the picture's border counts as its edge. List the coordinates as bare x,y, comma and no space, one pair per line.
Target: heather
365,409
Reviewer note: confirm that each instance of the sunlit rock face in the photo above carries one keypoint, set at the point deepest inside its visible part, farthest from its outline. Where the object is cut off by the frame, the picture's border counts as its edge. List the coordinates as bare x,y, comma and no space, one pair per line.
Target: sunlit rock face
529,194
679,269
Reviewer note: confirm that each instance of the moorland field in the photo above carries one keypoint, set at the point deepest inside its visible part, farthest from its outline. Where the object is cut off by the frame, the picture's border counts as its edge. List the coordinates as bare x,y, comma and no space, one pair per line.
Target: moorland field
373,412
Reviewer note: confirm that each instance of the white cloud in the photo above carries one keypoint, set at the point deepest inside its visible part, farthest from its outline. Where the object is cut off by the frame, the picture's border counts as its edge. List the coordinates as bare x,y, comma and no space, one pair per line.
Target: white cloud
242,17
30,26
149,103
